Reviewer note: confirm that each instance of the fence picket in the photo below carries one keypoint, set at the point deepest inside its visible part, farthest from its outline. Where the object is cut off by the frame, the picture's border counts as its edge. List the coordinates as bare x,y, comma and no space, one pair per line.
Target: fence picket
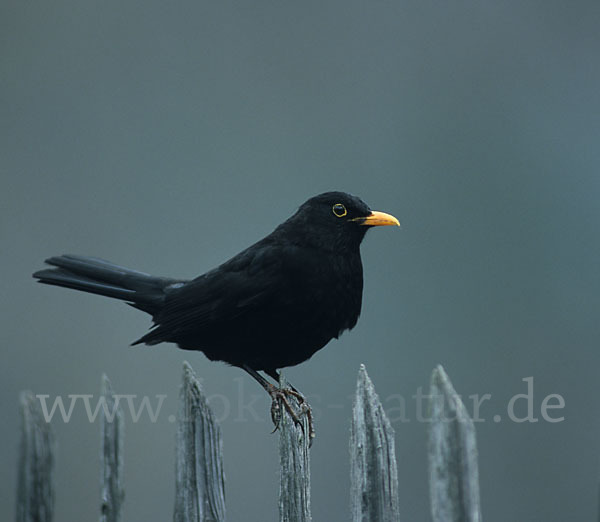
35,487
373,473
294,468
111,456
453,473
199,477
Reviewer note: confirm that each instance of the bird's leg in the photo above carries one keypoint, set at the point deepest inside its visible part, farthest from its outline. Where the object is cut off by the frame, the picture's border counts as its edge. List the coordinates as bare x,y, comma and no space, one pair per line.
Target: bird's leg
304,406
291,390
274,374
279,395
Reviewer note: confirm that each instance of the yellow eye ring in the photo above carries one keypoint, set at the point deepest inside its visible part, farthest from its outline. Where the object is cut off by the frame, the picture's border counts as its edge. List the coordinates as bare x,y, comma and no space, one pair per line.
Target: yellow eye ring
339,210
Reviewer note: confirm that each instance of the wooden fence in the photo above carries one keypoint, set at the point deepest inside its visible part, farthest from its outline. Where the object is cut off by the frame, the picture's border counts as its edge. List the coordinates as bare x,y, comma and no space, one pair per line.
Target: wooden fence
200,481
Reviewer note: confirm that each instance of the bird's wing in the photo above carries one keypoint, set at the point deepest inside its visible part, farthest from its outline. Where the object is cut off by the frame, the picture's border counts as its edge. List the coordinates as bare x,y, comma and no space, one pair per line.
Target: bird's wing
263,272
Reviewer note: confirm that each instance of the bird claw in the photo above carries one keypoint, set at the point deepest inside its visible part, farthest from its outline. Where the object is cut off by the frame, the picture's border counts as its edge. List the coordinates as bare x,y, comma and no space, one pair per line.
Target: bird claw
275,414
279,397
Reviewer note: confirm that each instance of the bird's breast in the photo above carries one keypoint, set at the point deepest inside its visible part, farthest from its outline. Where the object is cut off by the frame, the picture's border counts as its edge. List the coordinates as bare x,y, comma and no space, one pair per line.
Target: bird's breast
331,295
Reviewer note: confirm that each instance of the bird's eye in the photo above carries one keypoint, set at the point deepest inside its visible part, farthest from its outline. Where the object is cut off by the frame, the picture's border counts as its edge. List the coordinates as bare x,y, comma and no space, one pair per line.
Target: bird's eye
339,210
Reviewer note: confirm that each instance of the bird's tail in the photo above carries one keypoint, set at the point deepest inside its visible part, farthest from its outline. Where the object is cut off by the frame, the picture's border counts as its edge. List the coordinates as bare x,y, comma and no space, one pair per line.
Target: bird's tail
96,276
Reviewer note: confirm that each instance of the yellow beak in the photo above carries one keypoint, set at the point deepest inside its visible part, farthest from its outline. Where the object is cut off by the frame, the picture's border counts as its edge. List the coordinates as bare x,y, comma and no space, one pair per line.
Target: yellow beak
378,219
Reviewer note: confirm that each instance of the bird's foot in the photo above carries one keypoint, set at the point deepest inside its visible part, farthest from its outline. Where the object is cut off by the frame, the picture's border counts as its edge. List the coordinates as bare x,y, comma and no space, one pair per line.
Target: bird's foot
279,397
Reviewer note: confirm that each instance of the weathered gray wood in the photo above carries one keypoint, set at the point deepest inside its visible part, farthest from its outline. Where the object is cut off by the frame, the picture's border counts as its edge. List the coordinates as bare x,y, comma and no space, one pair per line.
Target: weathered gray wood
111,456
199,480
373,472
453,473
35,488
294,467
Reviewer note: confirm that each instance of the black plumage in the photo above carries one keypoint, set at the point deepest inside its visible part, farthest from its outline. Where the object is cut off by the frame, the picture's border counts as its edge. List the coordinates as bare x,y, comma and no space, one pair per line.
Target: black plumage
271,306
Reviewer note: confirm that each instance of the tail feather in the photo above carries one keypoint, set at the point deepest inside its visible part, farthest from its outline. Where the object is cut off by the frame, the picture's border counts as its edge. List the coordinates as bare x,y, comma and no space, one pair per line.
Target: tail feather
102,270
66,279
96,276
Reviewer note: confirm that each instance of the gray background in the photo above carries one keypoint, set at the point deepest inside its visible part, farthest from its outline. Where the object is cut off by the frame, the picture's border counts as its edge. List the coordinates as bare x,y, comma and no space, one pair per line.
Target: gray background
166,136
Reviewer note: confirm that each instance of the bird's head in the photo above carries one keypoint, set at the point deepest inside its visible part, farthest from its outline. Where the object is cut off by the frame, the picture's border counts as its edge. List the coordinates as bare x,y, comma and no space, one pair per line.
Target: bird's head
336,220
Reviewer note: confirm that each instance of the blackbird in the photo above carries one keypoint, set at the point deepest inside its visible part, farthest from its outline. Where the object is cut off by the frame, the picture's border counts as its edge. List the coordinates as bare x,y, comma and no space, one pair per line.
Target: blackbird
271,306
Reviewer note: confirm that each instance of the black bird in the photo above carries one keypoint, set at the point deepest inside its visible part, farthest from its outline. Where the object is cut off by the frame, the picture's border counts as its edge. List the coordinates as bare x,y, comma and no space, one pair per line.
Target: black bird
271,306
